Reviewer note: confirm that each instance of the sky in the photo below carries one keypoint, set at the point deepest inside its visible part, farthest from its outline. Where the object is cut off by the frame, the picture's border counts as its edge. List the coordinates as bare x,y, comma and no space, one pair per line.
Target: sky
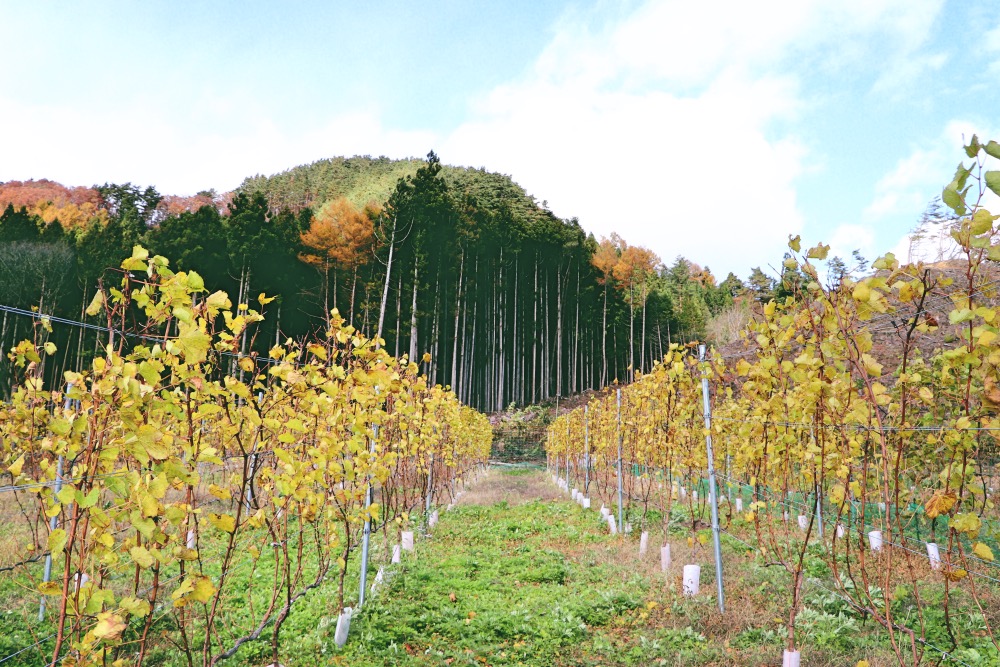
709,130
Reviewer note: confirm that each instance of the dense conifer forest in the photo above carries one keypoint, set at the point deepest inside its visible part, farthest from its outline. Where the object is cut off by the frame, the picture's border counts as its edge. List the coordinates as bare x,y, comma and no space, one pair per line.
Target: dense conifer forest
459,268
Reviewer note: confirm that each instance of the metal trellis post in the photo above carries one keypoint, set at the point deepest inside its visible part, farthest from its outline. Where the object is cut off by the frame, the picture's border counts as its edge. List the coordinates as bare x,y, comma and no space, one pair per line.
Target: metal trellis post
366,539
712,489
621,526
586,454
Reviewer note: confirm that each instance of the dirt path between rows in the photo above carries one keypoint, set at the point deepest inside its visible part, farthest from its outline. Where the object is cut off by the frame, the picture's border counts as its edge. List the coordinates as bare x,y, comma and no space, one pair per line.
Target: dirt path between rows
514,485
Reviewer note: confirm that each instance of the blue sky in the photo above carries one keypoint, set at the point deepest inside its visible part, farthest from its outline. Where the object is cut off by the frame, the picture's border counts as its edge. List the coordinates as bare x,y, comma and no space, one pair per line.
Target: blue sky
709,130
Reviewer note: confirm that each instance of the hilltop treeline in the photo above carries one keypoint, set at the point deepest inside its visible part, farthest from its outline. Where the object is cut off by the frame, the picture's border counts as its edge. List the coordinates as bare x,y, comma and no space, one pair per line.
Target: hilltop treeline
459,268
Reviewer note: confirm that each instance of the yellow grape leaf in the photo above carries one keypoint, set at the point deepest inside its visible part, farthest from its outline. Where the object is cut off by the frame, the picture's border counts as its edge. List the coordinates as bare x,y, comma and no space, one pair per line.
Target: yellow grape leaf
982,222
60,426
195,282
57,541
90,499
66,495
184,553
837,494
135,607
264,300
96,304
940,503
109,626
983,551
862,663
750,516
203,590
150,505
193,343
966,523
818,252
956,574
142,556
50,588
247,365
15,467
180,594
220,492
217,301
144,525
224,522
872,367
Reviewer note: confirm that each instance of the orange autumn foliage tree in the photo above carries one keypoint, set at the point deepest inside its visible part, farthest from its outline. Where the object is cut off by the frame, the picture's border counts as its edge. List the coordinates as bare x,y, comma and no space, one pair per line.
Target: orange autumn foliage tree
73,207
604,261
634,268
339,237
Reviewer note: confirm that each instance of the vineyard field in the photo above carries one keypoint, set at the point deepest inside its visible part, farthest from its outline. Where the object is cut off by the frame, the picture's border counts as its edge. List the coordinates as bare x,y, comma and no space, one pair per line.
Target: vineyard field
178,500
853,430
537,580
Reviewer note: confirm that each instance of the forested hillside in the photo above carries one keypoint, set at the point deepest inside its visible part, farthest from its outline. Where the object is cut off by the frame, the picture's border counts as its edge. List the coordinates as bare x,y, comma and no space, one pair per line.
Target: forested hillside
459,268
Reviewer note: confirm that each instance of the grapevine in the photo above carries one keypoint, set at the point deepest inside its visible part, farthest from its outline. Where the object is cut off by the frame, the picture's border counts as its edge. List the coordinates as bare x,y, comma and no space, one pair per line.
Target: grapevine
179,460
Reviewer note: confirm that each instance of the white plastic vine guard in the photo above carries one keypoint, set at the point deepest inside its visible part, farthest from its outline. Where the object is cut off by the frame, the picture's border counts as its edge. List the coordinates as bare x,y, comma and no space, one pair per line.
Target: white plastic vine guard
665,557
692,580
934,555
343,627
643,543
407,539
803,523
396,553
611,524
790,659
875,540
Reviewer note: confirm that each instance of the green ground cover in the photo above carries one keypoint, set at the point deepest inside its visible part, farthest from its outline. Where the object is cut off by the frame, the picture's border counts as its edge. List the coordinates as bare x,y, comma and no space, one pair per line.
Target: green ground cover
516,574
525,579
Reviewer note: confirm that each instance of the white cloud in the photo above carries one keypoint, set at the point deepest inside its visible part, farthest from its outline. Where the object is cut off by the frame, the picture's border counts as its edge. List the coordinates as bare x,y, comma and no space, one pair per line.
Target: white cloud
665,123
142,144
656,168
666,131
920,176
909,186
850,237
917,179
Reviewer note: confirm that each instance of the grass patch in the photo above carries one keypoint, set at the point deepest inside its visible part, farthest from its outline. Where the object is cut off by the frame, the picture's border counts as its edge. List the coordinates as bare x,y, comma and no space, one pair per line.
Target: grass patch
517,575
